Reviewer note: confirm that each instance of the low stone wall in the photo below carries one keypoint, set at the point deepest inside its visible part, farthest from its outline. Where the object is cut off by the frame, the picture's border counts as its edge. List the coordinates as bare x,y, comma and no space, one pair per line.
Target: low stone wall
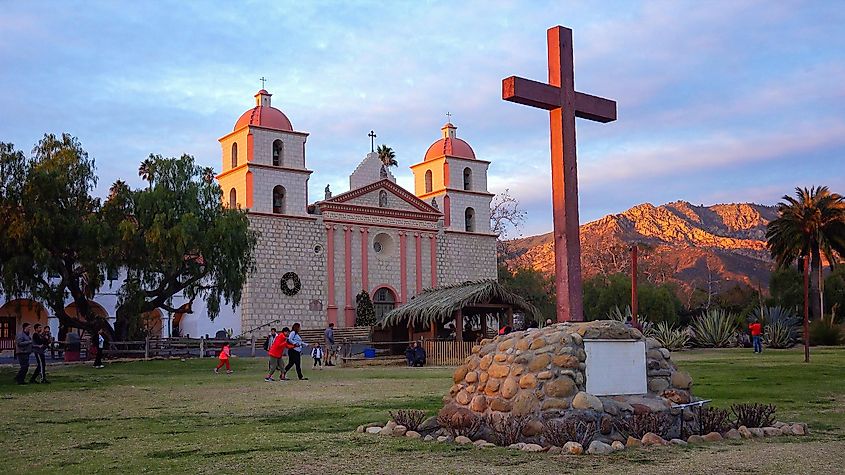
541,374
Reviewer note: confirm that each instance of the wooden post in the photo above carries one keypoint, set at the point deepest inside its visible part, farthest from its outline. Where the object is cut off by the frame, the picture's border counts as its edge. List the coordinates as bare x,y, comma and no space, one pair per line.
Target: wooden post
202,347
252,343
634,302
484,325
459,325
410,332
807,308
509,311
433,329
147,348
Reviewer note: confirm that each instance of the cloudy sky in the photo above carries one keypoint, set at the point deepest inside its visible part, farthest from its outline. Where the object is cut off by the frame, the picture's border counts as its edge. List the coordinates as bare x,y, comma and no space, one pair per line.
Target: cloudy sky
727,101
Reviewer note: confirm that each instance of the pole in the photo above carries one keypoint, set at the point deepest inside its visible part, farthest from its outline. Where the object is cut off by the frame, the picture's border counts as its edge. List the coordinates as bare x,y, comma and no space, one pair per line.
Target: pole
253,345
634,302
202,347
147,348
807,309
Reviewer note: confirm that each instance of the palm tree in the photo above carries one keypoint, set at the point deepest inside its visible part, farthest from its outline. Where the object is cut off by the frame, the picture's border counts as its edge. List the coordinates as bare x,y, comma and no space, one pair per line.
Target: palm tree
117,187
387,156
811,224
146,170
208,175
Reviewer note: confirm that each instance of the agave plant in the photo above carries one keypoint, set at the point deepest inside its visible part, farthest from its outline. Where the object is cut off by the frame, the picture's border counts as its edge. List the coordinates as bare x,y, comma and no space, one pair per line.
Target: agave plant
670,337
715,328
622,316
781,326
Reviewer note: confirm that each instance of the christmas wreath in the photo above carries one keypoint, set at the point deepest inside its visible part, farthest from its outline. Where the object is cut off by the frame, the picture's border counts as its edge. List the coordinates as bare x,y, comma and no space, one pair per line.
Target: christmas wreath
291,284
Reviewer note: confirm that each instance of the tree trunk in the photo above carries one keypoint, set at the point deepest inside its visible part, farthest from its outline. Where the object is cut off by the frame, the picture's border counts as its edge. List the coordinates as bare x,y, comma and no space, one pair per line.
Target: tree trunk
815,300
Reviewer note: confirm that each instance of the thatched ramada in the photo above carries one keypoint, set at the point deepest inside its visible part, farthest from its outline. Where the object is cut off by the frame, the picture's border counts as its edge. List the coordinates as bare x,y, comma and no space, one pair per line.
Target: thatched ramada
434,307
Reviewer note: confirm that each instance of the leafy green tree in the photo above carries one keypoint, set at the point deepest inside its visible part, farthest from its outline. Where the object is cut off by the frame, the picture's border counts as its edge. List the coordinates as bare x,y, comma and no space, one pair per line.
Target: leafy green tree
53,234
532,285
786,289
603,293
365,314
176,237
834,292
811,224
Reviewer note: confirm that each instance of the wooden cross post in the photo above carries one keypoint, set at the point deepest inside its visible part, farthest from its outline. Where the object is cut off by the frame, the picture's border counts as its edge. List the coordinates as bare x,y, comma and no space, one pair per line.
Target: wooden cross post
263,80
564,105
635,306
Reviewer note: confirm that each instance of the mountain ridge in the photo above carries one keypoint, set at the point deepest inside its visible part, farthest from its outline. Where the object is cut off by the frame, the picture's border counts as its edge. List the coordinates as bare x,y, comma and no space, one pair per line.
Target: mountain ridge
691,245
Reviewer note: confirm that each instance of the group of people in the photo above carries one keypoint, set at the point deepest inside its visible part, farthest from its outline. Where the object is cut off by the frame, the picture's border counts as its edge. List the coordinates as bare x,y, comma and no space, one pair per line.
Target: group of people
35,340
287,342
415,354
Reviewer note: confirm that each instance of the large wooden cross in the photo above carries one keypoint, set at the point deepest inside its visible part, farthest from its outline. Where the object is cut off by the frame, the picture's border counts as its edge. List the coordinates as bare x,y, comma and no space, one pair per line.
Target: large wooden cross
564,105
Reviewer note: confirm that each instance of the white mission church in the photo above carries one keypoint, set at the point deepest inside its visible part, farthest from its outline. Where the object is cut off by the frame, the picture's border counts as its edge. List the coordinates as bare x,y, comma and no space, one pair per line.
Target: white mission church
313,258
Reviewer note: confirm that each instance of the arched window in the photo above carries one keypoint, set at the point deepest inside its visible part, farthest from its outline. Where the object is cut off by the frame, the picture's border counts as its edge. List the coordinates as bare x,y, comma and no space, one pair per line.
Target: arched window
234,155
278,153
467,178
279,199
382,199
428,185
233,198
384,300
469,217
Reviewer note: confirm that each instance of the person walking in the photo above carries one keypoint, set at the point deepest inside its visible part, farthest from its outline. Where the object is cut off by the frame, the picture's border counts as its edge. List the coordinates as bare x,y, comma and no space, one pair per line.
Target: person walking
317,355
39,348
756,335
224,359
101,346
295,353
276,351
23,347
330,348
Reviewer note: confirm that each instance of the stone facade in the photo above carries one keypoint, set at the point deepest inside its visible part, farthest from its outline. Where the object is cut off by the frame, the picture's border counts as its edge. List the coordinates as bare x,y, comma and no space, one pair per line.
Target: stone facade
375,236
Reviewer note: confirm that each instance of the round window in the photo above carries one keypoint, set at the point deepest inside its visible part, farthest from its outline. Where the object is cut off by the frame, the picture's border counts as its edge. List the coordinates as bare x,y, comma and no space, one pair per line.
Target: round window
318,249
383,245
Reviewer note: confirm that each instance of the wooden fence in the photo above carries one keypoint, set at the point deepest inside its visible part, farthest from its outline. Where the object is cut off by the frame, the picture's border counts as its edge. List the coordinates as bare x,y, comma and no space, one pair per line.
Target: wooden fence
447,352
178,347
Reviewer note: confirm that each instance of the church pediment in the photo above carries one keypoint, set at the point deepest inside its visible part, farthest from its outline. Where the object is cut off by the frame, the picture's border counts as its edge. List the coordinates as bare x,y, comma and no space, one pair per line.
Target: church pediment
381,196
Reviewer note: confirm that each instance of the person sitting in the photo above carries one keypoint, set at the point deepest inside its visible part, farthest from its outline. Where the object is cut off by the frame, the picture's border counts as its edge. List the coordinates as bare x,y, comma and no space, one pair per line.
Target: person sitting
410,353
505,330
419,355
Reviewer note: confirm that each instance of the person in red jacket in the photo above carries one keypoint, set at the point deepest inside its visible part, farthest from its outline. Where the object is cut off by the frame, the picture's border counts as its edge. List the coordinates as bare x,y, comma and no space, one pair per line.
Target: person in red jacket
277,349
224,359
756,336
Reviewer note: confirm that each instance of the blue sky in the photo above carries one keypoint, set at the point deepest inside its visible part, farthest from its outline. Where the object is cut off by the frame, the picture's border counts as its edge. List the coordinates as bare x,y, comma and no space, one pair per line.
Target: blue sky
717,101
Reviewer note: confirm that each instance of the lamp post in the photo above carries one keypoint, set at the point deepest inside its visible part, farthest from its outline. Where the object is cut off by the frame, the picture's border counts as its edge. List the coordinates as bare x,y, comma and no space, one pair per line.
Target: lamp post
806,308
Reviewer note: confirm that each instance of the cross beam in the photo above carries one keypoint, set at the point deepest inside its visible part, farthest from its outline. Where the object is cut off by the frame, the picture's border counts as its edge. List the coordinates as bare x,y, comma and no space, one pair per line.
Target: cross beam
564,105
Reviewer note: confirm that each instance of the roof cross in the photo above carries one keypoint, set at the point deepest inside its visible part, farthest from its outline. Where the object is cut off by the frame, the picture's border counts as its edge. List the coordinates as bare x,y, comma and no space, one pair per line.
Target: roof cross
263,80
372,135
449,117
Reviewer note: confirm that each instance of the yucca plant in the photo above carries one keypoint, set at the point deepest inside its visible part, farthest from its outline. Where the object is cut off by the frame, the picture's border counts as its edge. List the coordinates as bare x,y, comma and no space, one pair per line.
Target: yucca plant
622,316
670,337
781,327
715,328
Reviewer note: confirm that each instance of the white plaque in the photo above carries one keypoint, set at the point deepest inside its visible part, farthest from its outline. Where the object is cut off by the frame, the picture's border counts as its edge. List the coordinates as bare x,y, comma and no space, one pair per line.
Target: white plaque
615,367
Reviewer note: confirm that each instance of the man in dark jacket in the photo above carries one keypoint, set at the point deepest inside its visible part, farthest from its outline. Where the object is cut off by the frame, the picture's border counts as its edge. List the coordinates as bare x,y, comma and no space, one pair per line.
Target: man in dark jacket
23,347
419,356
39,346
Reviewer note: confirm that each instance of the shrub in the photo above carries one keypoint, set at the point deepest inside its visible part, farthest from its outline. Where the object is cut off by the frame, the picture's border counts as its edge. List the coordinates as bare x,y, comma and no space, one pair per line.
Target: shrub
714,328
410,418
781,326
639,425
622,316
670,337
712,419
459,422
753,415
825,332
569,429
508,428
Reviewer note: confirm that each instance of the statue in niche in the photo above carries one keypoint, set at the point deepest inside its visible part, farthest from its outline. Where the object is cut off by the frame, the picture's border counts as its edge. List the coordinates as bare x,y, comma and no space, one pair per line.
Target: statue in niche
382,199
434,203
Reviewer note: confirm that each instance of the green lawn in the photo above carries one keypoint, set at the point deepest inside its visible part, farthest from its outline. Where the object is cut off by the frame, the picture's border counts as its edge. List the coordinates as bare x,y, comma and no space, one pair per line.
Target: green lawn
177,416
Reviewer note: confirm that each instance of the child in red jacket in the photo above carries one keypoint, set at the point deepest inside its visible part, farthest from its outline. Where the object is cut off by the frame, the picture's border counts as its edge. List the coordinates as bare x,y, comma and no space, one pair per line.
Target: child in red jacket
224,359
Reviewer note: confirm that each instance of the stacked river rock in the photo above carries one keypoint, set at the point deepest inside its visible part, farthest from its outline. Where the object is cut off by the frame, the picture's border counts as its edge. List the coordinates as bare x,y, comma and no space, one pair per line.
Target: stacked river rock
541,374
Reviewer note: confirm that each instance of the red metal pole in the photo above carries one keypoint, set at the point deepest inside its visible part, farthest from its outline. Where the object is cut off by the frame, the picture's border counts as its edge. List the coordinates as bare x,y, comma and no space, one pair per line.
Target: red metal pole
807,309
634,302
